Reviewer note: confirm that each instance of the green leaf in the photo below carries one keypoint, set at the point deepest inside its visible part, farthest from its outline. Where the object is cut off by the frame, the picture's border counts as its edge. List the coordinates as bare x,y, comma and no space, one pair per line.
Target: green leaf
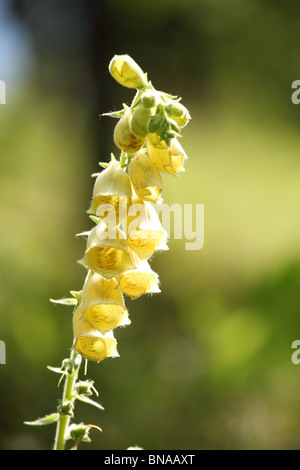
83,234
57,370
48,419
89,401
114,114
95,219
64,301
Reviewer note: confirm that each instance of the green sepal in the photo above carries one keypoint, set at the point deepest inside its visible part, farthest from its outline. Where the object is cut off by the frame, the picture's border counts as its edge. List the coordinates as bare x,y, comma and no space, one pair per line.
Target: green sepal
167,95
85,387
78,432
95,219
65,408
103,165
48,419
77,294
155,123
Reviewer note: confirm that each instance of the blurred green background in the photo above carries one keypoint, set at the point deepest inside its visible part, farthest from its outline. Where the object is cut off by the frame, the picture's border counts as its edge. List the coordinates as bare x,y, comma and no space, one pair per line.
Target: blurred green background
206,364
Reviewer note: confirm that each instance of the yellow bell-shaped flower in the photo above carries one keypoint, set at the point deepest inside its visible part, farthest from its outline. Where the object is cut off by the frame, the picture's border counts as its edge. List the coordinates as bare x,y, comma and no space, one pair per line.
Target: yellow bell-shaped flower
112,193
139,281
145,178
145,234
103,304
126,71
94,346
167,159
107,252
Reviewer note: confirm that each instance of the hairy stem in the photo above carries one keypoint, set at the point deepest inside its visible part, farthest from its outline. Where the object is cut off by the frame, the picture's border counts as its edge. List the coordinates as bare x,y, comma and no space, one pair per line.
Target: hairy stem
68,397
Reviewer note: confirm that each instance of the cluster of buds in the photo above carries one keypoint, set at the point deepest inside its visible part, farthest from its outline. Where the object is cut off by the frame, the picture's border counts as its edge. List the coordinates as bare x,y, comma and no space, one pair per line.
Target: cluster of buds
127,229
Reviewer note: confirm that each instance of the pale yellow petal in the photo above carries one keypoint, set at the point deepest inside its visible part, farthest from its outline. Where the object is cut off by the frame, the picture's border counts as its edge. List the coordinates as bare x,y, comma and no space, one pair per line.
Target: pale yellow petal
169,160
106,317
145,178
145,242
107,252
107,261
139,281
96,348
99,290
112,190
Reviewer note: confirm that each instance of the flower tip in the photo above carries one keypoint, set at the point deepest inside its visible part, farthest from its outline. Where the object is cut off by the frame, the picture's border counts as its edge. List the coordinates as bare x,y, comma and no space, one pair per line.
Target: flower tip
126,71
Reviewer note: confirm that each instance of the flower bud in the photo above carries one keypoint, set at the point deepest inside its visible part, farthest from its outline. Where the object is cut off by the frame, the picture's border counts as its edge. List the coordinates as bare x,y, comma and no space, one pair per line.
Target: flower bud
167,159
139,281
178,113
140,120
112,193
107,252
124,138
126,71
145,178
149,99
155,123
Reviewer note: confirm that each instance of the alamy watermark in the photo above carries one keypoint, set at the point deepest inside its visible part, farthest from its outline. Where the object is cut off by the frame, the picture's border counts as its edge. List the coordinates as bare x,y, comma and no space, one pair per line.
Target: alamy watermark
180,222
296,94
2,352
296,354
2,92
188,223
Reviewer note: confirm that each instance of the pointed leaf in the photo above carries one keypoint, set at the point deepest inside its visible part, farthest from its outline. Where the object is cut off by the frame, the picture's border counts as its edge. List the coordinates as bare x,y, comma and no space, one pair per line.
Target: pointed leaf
95,219
57,370
48,419
83,234
89,401
64,301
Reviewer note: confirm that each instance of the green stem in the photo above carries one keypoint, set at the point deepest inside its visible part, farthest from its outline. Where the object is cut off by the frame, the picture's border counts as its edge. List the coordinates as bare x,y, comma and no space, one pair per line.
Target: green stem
68,396
123,159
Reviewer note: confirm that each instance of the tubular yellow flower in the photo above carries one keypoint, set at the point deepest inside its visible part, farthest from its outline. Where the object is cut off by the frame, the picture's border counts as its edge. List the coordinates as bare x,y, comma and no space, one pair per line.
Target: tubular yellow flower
103,304
107,252
145,178
90,343
139,281
128,232
105,317
145,232
124,138
167,159
112,193
96,347
126,71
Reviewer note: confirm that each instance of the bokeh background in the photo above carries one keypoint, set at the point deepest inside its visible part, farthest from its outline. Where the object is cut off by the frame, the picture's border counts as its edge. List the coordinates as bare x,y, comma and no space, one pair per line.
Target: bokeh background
206,364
